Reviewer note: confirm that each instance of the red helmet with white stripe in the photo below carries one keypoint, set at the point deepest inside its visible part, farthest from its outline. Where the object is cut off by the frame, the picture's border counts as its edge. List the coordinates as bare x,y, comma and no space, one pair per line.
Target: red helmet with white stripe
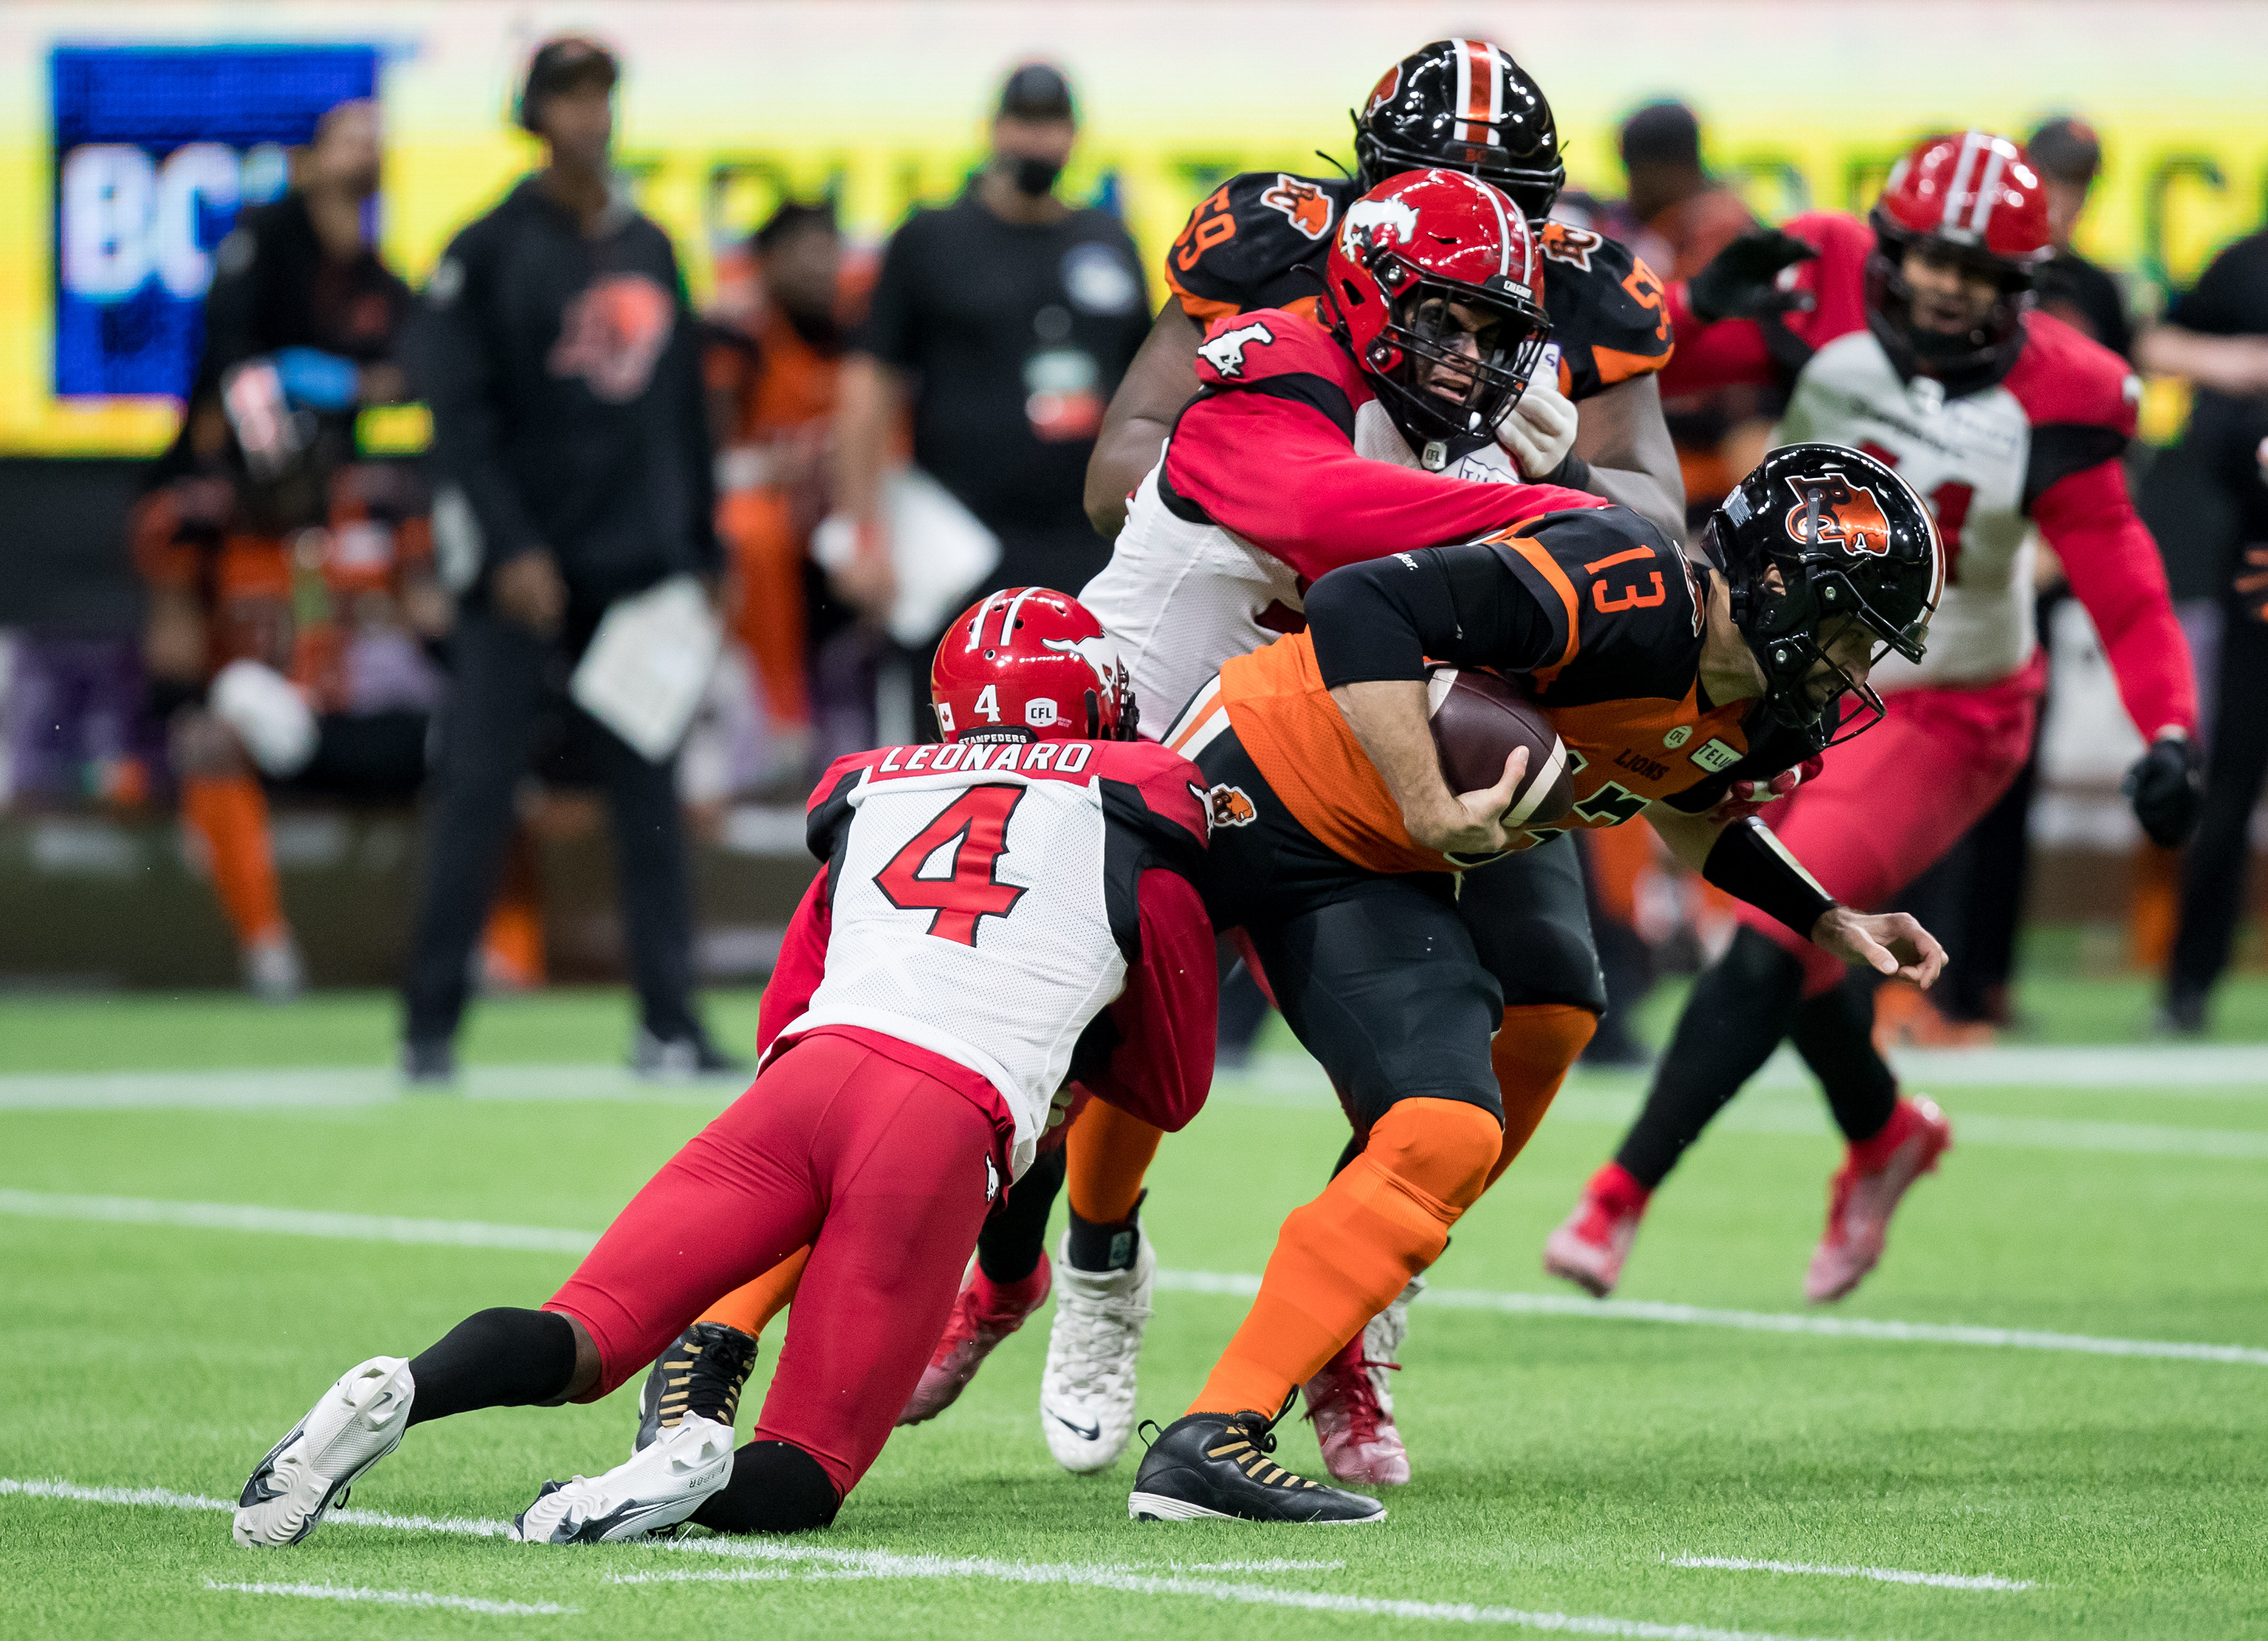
1434,281
1462,105
1974,200
1030,664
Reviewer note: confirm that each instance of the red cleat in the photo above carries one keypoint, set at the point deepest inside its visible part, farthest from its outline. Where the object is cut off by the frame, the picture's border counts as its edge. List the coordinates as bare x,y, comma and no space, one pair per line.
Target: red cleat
1589,1247
1865,1193
1351,1408
985,1313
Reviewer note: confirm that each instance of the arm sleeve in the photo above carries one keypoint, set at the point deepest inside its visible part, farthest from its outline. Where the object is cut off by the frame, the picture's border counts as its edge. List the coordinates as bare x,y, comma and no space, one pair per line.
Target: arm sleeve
1165,1018
692,409
233,311
1384,618
1732,352
802,961
891,332
1279,473
2219,304
2120,581
453,355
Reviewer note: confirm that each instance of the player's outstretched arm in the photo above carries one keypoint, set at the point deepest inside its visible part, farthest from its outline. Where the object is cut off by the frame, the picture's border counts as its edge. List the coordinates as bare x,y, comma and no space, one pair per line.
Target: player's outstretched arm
1621,436
1160,380
1742,858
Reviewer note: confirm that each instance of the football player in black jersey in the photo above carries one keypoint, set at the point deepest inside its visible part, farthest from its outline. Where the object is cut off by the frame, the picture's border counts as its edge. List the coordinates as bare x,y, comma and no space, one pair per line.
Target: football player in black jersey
1259,240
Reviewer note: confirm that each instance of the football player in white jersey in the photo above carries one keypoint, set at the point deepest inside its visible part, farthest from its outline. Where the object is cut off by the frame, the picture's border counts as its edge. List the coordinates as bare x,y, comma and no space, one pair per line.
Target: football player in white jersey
1914,338
996,917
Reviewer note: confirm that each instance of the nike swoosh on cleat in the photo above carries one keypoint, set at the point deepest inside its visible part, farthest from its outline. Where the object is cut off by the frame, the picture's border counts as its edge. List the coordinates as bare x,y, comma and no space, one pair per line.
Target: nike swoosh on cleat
1085,1432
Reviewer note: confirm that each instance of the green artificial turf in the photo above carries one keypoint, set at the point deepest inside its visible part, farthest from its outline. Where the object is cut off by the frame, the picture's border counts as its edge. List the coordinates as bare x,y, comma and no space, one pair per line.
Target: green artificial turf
1564,1462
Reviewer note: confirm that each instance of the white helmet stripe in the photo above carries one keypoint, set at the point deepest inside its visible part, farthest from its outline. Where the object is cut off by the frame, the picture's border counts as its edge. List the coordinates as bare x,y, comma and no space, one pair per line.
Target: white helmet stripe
1464,51
1987,190
1959,182
1491,66
1503,228
976,621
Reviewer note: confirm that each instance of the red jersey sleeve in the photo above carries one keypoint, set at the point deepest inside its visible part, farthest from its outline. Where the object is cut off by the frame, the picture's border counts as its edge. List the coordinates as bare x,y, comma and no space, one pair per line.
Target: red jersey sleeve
2120,581
1165,1020
802,961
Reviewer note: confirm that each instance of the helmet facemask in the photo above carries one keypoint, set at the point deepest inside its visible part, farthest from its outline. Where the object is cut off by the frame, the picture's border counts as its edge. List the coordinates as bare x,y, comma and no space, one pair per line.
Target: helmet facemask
1418,351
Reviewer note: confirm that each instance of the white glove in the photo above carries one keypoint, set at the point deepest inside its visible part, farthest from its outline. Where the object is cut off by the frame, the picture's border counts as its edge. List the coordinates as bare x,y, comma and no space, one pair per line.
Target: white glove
1538,430
267,713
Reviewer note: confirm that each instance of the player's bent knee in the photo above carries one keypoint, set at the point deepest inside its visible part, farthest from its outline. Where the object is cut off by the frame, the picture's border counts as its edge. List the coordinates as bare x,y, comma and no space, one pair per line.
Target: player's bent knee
1445,1148
776,1488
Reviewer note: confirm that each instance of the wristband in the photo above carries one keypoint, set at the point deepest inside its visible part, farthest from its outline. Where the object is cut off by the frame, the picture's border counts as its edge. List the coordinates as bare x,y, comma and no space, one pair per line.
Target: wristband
1749,864
1572,473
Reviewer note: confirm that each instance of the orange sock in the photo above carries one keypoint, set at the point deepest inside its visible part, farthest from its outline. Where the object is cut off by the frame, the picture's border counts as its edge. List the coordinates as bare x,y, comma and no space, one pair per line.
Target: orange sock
1105,1156
1531,1055
751,1306
230,813
1342,1258
511,945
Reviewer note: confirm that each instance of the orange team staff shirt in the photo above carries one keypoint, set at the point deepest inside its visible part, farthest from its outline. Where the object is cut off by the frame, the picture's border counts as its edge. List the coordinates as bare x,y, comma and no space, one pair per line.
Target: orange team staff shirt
1622,689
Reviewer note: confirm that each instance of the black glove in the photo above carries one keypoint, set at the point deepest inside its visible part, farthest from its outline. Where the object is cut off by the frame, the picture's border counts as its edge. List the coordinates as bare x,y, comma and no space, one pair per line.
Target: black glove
1742,280
2166,790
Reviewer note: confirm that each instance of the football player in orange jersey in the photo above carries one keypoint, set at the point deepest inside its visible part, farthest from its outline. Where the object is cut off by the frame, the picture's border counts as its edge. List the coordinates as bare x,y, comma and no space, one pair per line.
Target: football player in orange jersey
1666,683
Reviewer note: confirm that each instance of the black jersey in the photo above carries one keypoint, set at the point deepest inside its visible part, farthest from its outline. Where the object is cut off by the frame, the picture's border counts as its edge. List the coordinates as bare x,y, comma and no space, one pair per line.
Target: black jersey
1259,240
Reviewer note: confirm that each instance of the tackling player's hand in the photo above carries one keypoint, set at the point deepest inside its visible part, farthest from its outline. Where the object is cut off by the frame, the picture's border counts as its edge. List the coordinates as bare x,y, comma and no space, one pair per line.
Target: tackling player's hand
1473,822
1742,280
2166,789
1891,943
1538,430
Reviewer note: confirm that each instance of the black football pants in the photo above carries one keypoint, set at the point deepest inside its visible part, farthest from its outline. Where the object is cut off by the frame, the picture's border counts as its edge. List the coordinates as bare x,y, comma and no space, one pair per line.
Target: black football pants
503,679
2213,867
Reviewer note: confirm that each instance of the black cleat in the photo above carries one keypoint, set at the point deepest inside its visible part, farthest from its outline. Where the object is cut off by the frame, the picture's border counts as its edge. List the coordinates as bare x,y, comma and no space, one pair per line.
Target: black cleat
429,1067
1210,1466
680,1058
703,1373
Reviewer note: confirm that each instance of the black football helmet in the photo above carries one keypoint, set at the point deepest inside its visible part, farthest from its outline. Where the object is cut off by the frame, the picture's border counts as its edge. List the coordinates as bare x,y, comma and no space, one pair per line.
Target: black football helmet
1462,105
1851,542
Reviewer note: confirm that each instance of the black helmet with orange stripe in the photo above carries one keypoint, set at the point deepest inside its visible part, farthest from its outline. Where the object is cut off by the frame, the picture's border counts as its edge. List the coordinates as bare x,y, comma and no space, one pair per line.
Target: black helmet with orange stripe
1462,105
1817,536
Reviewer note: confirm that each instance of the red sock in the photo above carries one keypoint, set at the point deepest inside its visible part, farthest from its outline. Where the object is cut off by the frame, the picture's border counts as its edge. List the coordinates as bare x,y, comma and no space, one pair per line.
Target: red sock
1616,1189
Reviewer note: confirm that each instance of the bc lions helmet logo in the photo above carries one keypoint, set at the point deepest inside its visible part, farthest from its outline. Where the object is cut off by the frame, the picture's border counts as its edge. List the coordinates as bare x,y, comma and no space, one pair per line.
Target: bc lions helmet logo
613,334
1226,351
1848,515
1305,203
1393,219
1388,83
1230,807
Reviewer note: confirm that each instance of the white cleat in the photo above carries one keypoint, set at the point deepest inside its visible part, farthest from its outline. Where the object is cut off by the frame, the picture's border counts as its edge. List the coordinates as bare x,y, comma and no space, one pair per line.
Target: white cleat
657,1488
359,1421
1087,1393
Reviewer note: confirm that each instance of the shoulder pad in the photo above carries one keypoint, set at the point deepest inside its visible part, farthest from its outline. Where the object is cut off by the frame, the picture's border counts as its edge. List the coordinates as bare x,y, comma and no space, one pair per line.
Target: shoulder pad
1609,317
1242,246
2063,377
1166,791
1242,349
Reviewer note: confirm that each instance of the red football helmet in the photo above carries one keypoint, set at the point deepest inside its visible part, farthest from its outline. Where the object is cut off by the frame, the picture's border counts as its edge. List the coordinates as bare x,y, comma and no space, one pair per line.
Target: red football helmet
1975,199
1404,252
1030,664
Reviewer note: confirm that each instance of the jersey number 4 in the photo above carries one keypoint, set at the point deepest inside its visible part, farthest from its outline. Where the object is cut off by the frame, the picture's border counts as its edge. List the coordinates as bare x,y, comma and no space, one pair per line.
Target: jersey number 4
952,867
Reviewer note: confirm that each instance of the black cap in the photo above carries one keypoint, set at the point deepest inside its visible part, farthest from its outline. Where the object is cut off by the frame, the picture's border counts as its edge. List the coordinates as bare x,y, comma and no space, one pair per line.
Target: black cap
1037,90
562,64
1664,133
2067,149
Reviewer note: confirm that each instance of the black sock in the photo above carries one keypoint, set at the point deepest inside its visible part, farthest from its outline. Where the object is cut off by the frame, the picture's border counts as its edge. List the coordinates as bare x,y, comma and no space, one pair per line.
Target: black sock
498,1358
1736,1015
776,1488
1106,1247
1009,1247
1835,1034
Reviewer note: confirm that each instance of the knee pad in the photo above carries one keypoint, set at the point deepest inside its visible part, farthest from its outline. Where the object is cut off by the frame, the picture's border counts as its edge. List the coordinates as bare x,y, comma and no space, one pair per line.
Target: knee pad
1444,1148
776,1488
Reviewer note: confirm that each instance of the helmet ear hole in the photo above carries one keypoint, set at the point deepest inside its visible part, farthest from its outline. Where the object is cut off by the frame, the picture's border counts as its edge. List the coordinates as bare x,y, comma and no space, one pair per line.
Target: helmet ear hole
1354,296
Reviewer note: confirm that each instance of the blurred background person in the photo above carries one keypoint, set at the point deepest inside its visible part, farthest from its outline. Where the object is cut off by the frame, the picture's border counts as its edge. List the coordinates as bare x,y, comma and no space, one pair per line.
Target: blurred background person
2217,336
773,368
571,436
291,582
1000,326
2069,156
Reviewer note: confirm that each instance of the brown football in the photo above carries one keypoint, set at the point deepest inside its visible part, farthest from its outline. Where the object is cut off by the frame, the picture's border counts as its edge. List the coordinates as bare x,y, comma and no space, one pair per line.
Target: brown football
1479,720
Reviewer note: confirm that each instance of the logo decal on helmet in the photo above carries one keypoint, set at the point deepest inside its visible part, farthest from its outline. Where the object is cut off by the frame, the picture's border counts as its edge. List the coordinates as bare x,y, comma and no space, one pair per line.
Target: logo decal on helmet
1040,711
1383,93
1847,514
1226,351
1396,217
1307,206
1097,653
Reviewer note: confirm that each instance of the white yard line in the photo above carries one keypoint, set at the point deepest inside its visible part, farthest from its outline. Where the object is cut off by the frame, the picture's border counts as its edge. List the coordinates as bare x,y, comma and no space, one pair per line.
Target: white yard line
1879,1575
539,1239
262,1088
862,1565
400,1598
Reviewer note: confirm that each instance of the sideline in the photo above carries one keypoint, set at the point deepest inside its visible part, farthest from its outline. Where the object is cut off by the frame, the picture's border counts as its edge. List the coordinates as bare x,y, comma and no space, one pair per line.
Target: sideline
538,1239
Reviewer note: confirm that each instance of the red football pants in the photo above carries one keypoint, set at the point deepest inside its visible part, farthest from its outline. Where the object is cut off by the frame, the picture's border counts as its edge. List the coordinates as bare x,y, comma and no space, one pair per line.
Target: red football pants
1891,802
884,1170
